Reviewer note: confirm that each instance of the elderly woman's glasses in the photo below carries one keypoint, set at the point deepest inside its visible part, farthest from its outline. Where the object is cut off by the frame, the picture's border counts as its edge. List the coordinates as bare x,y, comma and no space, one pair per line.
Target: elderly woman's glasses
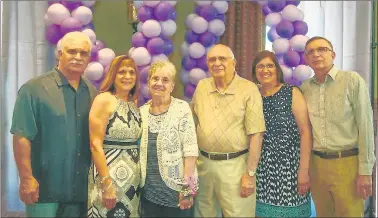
220,58
262,66
319,50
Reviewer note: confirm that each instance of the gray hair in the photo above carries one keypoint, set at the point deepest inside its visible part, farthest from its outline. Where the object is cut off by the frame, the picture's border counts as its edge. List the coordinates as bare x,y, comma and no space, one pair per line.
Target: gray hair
161,64
71,36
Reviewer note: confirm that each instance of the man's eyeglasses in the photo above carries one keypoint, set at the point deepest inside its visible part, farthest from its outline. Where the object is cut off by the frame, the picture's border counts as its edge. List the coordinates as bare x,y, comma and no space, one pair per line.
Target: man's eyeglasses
220,58
262,66
319,50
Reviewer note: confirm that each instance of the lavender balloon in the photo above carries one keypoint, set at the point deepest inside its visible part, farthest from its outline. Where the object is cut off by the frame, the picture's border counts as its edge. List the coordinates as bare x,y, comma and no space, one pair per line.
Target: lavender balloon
291,58
221,17
143,74
202,63
295,2
191,37
188,63
285,29
303,59
155,46
94,53
145,13
138,40
70,24
195,75
71,4
163,11
272,34
208,12
168,47
207,38
276,6
189,90
173,15
53,33
99,44
266,10
300,28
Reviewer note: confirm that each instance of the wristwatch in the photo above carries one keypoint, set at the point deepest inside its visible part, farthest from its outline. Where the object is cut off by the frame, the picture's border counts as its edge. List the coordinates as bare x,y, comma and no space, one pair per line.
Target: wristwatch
251,173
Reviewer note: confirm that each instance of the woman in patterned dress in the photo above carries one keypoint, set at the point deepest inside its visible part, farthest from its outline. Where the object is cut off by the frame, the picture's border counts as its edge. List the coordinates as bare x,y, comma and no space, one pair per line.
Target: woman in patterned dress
283,171
115,127
168,149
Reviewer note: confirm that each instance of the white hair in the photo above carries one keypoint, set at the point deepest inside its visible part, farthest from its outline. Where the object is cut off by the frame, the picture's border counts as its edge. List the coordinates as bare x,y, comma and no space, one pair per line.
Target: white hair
72,36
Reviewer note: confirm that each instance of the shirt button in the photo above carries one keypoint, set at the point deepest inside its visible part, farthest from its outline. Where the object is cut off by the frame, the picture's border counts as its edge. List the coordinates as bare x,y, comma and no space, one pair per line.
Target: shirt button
78,115
78,134
78,154
77,173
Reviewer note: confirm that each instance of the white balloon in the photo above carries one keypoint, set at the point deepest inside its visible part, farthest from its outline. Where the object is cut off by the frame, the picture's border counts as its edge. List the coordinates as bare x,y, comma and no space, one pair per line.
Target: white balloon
151,3
199,2
287,71
291,13
184,76
47,20
199,25
221,6
189,20
301,15
184,49
217,27
281,45
141,56
196,50
173,3
272,19
131,51
94,71
57,13
88,3
160,57
105,56
82,14
91,34
145,91
302,72
139,26
196,74
298,42
168,28
138,4
151,28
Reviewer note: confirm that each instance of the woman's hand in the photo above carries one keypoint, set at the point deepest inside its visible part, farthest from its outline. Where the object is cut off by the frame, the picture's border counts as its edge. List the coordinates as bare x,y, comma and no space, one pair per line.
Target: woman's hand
303,181
108,195
185,202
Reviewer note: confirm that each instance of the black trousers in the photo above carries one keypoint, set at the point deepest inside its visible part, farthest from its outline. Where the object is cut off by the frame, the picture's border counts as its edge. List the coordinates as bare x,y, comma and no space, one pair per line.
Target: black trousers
150,209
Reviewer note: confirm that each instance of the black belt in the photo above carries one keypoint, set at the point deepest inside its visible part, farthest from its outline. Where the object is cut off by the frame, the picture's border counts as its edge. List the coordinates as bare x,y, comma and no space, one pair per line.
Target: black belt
338,154
226,156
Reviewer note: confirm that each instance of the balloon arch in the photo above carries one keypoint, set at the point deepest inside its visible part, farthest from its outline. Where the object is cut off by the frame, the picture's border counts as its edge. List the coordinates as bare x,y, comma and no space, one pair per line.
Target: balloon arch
157,24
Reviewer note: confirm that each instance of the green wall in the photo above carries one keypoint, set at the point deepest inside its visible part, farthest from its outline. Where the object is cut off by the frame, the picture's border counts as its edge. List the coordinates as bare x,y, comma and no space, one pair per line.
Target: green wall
111,26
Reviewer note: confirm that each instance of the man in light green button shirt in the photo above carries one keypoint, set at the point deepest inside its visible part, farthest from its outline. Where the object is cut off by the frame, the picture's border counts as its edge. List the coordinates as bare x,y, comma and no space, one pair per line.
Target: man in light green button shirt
342,125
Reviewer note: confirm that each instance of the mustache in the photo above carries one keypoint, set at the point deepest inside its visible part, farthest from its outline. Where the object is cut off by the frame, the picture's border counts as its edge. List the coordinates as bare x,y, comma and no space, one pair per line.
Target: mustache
76,62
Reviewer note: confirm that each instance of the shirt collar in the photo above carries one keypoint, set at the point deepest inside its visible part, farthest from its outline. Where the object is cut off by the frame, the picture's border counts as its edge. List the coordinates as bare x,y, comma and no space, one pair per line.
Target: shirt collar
61,80
332,73
231,89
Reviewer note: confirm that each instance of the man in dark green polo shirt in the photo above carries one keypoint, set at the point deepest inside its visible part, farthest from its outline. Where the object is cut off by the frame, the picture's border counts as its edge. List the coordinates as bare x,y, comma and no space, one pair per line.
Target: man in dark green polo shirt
51,136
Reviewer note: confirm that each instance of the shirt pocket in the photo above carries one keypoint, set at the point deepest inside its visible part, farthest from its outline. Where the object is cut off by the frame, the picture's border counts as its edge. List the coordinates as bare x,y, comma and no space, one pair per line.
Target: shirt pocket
337,107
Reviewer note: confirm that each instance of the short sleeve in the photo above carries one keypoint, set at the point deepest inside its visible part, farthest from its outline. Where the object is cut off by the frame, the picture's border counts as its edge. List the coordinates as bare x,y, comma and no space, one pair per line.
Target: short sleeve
254,114
24,120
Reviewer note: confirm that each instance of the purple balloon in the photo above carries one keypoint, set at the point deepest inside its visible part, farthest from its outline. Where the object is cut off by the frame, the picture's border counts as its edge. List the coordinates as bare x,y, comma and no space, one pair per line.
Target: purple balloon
303,60
53,33
266,10
71,4
188,63
221,17
191,37
189,90
202,63
89,26
285,29
163,11
168,47
207,38
276,6
300,28
155,46
138,40
272,34
70,24
208,12
94,53
145,13
292,58
143,74
99,45
296,3
198,9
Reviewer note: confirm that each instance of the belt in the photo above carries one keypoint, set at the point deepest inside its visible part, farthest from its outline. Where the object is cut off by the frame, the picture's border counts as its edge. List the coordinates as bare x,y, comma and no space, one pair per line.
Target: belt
338,154
226,156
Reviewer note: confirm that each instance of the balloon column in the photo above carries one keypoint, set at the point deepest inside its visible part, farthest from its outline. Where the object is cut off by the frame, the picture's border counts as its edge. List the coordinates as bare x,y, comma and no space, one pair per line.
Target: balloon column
74,15
204,27
151,42
288,34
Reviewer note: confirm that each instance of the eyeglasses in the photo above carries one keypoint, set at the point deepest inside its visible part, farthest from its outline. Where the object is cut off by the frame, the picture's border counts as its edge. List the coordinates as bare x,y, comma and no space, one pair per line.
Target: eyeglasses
262,66
220,58
319,50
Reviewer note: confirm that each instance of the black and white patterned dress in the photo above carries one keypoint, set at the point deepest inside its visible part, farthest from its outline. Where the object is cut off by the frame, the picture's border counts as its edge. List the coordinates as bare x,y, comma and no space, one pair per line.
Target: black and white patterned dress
122,157
277,193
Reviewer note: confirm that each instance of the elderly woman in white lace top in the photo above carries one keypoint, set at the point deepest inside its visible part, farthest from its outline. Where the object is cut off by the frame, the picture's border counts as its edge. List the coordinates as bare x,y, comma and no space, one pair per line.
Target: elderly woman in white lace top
168,149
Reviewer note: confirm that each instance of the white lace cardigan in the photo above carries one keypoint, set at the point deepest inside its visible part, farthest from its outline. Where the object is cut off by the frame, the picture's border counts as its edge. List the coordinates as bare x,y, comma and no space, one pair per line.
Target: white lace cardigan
176,140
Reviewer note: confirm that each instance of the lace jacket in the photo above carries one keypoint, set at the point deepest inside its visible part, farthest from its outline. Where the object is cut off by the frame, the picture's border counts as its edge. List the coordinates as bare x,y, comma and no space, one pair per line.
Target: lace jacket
176,140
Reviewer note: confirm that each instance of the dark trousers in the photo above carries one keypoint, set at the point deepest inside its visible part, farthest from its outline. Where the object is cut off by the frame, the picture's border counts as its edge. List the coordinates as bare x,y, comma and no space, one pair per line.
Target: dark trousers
150,209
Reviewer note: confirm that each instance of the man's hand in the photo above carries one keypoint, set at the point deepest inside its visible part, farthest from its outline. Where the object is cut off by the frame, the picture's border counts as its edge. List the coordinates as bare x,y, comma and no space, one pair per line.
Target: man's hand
185,202
29,190
248,185
303,181
364,186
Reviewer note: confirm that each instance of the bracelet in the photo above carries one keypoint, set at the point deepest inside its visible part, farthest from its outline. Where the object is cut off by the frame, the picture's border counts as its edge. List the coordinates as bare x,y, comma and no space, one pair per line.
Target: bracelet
110,184
103,179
